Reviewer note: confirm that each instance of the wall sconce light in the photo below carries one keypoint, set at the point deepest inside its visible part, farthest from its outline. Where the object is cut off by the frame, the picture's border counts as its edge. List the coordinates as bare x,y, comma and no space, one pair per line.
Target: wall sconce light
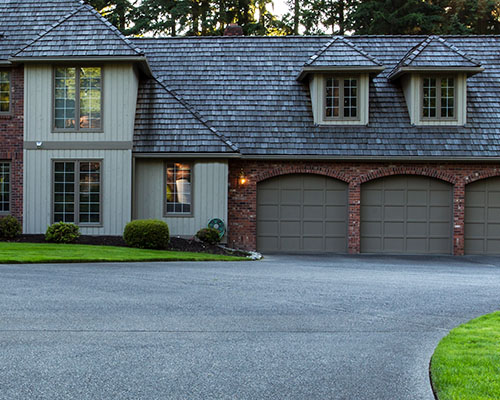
242,179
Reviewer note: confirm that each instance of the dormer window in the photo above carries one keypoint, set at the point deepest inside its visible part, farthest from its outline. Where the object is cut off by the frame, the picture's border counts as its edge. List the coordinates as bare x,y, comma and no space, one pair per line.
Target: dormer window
341,98
438,97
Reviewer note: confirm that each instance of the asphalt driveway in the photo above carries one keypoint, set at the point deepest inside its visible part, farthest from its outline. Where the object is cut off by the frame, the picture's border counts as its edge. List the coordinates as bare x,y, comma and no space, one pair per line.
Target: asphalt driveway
329,327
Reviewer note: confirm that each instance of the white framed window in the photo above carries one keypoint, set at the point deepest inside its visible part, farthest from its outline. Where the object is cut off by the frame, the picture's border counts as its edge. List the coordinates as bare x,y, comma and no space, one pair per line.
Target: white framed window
438,98
341,98
78,99
77,191
178,188
5,187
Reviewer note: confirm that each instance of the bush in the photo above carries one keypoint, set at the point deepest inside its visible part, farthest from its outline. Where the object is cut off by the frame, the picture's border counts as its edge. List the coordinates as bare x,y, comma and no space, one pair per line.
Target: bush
9,227
147,234
62,232
208,235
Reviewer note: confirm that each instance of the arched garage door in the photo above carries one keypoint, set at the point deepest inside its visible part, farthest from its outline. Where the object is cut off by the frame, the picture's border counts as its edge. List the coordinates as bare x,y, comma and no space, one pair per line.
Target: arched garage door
302,213
406,214
482,217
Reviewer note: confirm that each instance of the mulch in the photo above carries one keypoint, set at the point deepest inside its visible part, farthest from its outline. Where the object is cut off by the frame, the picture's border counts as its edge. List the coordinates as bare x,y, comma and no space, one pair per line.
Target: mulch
176,243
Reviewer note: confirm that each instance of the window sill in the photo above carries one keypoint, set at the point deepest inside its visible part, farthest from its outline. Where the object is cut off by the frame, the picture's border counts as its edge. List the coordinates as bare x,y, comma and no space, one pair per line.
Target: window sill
178,215
6,116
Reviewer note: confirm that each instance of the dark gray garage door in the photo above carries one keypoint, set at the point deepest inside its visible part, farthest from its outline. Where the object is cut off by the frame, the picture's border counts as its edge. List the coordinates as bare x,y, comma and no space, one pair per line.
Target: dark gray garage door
302,213
406,214
482,217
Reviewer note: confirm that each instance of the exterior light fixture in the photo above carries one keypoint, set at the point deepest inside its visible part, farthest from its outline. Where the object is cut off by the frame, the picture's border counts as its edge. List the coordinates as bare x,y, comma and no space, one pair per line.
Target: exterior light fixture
242,179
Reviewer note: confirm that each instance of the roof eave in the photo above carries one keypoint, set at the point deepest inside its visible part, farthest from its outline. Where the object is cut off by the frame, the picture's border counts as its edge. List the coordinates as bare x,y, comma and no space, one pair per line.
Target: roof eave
139,154
375,70
408,70
299,157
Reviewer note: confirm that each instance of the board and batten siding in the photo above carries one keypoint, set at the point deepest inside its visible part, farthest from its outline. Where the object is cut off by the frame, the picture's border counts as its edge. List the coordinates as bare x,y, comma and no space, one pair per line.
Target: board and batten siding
116,173
210,192
120,85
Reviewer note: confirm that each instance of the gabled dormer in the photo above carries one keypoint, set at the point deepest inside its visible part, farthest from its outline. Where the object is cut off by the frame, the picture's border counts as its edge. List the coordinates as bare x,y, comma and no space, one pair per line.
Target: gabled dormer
339,77
433,75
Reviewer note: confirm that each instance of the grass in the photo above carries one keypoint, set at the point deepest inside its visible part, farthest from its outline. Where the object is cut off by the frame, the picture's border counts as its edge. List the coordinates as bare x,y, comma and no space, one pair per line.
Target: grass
25,253
466,363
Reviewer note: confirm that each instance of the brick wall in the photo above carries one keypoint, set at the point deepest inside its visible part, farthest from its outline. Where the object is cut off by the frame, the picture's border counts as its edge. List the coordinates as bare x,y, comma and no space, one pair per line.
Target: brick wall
11,140
242,213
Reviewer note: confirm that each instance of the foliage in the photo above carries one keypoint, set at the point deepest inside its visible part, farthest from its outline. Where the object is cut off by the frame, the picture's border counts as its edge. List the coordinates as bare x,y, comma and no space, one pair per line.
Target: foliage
62,232
10,227
208,235
11,253
465,364
147,234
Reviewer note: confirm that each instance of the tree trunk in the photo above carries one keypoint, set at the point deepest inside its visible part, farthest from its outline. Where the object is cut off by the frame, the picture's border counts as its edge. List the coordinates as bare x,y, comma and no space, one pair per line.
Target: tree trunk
296,12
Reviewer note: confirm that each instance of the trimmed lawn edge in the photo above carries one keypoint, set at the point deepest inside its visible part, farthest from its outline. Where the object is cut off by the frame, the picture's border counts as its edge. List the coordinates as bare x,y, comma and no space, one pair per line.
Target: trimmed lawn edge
50,253
468,362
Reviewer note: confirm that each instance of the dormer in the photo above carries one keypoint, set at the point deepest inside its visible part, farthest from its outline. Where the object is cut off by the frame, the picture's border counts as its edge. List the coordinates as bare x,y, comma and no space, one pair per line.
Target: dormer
339,77
433,76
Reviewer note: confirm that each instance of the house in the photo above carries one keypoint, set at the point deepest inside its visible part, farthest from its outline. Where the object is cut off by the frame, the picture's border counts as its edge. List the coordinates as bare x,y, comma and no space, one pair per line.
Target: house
378,144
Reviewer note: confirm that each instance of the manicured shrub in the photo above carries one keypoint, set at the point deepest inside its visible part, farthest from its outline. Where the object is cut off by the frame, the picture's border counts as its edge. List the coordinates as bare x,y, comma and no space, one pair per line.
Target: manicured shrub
147,234
208,235
9,227
62,232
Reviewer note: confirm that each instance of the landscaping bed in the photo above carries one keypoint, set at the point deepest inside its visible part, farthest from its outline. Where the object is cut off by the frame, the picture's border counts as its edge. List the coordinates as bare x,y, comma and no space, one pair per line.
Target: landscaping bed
176,244
466,363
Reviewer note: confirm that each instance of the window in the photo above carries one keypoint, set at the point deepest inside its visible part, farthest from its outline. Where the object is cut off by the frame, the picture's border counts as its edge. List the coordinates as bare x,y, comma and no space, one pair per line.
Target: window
438,100
4,91
178,188
78,99
341,98
77,192
4,187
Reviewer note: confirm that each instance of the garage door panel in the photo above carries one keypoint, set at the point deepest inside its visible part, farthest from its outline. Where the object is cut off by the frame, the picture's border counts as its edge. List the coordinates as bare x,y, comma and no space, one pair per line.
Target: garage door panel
394,213
314,197
415,213
372,213
301,213
290,212
482,217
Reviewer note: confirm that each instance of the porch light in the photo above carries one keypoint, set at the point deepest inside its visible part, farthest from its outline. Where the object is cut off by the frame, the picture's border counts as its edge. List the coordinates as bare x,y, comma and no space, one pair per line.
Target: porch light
242,179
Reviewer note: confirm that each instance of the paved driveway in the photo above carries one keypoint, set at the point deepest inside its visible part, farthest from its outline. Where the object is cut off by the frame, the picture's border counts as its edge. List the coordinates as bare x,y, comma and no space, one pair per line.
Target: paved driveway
330,327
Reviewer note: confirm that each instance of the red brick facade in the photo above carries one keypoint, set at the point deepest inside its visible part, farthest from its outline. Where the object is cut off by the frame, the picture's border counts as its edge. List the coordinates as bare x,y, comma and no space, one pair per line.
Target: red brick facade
11,140
242,215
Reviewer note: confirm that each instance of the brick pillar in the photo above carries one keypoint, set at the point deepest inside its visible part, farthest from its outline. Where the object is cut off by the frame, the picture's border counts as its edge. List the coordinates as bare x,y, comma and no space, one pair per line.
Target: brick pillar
458,218
354,230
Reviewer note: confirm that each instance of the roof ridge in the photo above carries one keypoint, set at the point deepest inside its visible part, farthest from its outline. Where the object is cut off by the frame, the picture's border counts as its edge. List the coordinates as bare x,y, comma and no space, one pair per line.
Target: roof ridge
113,28
347,42
49,29
197,115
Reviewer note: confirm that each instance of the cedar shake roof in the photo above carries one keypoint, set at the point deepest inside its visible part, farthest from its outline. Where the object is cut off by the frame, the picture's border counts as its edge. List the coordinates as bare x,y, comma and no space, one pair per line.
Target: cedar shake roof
246,89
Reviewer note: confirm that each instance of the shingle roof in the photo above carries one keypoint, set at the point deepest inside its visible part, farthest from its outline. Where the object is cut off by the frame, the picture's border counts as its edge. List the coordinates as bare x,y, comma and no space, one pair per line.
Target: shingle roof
435,52
341,52
247,90
166,123
81,33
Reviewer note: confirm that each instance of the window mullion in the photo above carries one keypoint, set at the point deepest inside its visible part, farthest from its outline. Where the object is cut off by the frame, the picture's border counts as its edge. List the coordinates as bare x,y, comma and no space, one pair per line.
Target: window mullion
341,98
439,111
77,192
77,100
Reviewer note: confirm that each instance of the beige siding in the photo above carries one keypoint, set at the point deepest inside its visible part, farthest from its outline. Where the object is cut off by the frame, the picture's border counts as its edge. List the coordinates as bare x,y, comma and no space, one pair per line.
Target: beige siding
209,195
120,84
116,188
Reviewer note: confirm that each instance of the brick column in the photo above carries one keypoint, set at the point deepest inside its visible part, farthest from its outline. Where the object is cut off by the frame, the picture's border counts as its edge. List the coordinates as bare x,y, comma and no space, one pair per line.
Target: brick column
458,218
354,230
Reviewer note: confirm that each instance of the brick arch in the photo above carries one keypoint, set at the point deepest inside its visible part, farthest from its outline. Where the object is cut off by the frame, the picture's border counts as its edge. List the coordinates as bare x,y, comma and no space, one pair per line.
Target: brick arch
300,169
480,175
408,170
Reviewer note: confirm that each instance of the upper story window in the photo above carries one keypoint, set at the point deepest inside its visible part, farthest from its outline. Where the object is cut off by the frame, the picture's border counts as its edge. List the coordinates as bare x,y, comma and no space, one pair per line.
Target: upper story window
78,98
179,188
341,97
438,97
5,91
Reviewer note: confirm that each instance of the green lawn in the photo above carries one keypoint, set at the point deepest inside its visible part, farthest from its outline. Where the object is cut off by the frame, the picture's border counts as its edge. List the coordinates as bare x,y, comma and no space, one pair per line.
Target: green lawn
16,253
466,363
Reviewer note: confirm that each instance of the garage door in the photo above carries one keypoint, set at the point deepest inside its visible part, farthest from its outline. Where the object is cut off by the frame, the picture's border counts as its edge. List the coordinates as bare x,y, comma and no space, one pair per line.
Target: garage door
482,217
406,214
302,213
